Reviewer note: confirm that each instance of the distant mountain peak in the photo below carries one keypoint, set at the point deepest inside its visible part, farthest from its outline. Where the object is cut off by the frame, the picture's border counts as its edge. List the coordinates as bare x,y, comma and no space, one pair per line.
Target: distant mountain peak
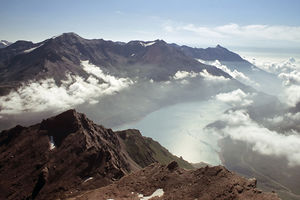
70,36
211,53
4,43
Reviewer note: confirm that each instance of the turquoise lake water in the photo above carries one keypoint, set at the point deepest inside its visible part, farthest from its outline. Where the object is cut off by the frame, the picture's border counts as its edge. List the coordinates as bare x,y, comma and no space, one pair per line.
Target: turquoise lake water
180,128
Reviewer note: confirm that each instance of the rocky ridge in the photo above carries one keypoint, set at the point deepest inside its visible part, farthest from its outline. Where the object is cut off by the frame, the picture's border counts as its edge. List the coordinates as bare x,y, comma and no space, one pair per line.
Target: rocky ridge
70,157
64,155
171,182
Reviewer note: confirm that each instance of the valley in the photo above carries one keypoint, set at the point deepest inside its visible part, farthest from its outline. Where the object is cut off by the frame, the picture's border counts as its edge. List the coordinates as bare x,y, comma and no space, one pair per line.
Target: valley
205,106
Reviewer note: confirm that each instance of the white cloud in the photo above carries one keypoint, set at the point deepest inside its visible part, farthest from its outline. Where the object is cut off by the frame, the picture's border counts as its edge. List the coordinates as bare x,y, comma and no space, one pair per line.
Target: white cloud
236,98
179,75
288,119
277,67
289,73
203,31
184,74
114,83
259,35
209,77
239,126
235,73
292,78
257,31
44,95
292,94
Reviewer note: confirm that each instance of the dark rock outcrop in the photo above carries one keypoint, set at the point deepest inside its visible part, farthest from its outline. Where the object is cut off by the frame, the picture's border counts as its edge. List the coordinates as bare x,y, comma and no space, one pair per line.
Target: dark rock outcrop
67,154
33,165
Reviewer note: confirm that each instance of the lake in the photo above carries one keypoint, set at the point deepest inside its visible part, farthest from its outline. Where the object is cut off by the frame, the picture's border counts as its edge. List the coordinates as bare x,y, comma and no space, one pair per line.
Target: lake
180,128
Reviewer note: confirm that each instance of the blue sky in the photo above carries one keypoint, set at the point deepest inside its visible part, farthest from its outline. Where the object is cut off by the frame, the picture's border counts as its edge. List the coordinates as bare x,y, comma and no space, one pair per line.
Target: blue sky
236,23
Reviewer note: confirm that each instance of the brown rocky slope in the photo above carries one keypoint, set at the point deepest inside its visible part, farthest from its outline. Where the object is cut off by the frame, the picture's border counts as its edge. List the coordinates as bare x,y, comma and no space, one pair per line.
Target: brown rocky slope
68,156
172,182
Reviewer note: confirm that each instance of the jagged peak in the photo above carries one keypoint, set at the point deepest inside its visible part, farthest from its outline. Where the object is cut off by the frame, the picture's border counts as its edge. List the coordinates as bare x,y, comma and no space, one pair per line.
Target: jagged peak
67,36
60,126
70,34
220,47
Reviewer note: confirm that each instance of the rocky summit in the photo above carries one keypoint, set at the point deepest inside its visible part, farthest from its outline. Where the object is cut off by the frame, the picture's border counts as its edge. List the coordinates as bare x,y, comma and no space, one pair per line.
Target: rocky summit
58,155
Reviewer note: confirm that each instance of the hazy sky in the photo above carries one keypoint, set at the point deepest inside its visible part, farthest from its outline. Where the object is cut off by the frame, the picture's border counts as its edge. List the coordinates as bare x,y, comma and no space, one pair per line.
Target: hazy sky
236,23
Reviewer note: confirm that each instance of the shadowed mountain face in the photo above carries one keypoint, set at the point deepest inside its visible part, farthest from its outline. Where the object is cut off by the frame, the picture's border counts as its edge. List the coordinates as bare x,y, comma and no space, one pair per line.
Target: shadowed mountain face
58,155
256,77
217,53
66,155
144,150
53,58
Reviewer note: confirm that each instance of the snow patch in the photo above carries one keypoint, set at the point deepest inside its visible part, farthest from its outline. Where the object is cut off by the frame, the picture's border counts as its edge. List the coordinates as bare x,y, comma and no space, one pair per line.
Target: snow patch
157,193
88,179
4,43
52,144
146,44
32,49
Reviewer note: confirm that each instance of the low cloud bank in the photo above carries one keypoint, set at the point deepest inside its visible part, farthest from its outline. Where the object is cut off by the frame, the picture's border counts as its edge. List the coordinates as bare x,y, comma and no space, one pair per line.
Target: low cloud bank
236,98
288,72
182,75
239,126
276,67
290,76
273,141
43,95
235,73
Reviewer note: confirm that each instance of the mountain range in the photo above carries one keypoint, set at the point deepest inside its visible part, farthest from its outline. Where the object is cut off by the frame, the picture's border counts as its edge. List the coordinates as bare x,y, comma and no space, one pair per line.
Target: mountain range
153,60
156,60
